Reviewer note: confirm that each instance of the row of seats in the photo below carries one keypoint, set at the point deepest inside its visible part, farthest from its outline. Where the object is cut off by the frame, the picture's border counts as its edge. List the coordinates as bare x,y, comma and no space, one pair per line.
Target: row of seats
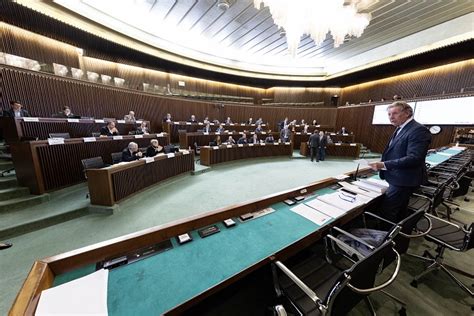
355,256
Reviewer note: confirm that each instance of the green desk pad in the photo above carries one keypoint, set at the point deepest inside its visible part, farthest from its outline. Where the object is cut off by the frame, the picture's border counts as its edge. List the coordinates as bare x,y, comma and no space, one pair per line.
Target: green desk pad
156,284
437,158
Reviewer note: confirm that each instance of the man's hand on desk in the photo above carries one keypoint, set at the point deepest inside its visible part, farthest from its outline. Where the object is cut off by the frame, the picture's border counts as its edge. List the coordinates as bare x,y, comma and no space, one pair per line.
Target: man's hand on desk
376,166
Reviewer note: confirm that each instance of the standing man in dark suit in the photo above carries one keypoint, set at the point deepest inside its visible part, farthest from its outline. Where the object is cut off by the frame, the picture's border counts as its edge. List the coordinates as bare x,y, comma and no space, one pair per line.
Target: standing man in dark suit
16,110
323,142
313,144
403,160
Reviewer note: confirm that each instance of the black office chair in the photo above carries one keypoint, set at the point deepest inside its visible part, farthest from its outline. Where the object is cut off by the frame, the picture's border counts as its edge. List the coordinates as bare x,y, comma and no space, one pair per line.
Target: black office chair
116,157
317,287
445,235
92,163
59,135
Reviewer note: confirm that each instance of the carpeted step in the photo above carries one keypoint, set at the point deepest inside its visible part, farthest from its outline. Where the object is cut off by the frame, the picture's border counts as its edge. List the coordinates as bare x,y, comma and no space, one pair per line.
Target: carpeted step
14,192
8,182
22,202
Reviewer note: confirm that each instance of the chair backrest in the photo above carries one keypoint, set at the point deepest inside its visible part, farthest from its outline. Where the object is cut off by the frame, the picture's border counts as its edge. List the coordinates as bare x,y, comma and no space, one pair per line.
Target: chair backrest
169,149
116,157
407,225
469,237
59,135
95,134
92,163
341,299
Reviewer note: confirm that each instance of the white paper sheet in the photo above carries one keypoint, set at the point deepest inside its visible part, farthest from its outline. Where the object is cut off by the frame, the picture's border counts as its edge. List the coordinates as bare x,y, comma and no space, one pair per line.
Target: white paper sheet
311,214
342,200
83,296
362,162
326,208
354,188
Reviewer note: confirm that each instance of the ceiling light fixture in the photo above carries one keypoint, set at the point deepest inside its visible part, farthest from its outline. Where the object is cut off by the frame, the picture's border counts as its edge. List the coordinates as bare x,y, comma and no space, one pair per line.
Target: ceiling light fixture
223,4
316,19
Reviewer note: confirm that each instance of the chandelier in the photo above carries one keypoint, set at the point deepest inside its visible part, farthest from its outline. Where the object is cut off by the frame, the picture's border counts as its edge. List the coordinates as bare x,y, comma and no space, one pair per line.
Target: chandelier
316,18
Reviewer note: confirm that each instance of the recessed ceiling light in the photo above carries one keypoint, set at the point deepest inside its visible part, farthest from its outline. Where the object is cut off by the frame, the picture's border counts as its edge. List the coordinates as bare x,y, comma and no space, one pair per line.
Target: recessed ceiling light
223,4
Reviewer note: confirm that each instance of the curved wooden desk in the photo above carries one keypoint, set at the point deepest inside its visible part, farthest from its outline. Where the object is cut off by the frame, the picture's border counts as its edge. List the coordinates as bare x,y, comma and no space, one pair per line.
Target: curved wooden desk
217,154
112,184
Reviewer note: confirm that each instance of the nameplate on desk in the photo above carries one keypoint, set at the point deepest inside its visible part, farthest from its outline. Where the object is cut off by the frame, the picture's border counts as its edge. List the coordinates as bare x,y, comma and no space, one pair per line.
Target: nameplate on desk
229,146
160,135
30,119
263,144
121,121
242,124
241,133
338,144
251,133
276,144
89,139
138,136
200,123
318,125
240,145
263,133
205,133
212,124
231,124
353,144
117,137
250,144
176,123
138,121
55,141
344,134
287,143
170,155
185,152
208,231
73,120
99,121
217,133
149,159
298,133
333,134
188,123
215,147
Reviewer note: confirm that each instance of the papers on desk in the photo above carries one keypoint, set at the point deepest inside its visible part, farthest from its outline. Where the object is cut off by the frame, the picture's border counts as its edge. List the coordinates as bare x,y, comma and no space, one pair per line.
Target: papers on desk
382,184
117,137
83,296
138,136
340,177
311,214
69,120
444,154
99,121
30,119
325,208
89,139
363,183
149,159
55,141
342,200
353,187
353,144
170,155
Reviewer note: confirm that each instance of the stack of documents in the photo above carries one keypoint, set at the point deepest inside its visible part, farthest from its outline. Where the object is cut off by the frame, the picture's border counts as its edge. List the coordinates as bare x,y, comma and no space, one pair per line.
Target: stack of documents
355,188
373,184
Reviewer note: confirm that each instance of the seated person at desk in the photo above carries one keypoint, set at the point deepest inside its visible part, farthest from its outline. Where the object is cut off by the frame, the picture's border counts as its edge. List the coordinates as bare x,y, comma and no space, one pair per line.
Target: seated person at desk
259,129
216,142
254,139
167,118
109,129
131,153
250,121
302,122
154,148
243,139
315,122
220,129
16,110
192,119
285,134
343,131
282,124
206,120
228,120
65,113
269,138
142,129
207,128
305,128
230,141
130,117
259,121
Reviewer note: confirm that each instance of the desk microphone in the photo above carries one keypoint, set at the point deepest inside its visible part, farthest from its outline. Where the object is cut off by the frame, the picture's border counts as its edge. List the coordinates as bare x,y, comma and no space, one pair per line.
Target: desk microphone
354,176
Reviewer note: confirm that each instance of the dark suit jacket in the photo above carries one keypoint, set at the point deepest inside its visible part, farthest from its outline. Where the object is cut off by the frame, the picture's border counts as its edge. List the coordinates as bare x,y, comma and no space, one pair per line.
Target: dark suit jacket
242,141
314,140
141,131
105,131
151,151
344,132
11,113
405,157
127,156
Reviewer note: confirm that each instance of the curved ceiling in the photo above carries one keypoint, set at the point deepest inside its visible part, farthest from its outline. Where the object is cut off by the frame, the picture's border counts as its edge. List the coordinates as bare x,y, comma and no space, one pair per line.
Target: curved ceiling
243,39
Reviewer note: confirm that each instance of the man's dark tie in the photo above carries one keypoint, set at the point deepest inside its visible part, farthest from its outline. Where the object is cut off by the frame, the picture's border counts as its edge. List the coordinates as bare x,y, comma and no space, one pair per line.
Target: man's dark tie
394,136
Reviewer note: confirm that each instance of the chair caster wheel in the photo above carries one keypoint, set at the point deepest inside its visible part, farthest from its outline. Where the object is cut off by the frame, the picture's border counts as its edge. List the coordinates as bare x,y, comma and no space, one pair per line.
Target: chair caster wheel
414,283
402,311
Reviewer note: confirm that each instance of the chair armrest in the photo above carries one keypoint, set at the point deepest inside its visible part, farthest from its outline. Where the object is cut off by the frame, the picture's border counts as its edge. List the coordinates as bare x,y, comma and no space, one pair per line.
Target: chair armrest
426,232
381,286
309,292
445,222
380,218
